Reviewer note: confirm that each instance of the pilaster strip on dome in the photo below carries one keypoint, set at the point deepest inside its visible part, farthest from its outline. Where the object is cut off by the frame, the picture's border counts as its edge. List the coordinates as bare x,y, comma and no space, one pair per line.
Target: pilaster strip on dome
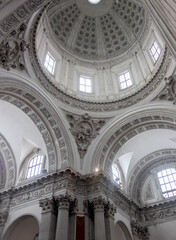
100,42
127,31
61,4
73,35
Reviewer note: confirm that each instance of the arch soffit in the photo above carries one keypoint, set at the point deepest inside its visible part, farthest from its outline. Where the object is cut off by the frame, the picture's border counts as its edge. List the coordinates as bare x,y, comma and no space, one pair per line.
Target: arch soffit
143,169
124,229
16,221
9,175
44,116
121,132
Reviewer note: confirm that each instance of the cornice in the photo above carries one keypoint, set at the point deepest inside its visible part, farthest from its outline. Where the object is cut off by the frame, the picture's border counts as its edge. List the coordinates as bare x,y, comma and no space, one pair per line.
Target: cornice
67,182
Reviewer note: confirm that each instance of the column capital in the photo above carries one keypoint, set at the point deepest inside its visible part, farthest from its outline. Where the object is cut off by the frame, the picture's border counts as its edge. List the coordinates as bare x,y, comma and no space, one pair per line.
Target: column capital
110,210
47,204
3,218
98,204
64,201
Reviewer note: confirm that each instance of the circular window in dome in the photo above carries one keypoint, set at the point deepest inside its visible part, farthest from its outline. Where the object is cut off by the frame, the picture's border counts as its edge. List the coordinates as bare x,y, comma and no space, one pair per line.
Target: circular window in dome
94,1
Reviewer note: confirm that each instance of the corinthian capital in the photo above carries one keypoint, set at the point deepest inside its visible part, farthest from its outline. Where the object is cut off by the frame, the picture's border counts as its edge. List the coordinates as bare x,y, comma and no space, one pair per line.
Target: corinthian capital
47,204
98,203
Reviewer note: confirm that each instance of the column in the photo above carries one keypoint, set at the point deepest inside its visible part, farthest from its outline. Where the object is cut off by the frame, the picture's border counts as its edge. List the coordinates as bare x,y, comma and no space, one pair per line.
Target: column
3,219
63,218
87,224
109,221
48,221
99,219
72,220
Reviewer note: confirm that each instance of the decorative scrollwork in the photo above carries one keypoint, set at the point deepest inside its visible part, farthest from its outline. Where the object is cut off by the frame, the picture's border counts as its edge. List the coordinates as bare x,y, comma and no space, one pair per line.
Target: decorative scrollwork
84,129
12,49
169,92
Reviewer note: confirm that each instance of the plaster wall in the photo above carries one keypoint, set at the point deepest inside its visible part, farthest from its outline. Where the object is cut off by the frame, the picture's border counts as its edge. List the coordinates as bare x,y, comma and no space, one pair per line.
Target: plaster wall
163,231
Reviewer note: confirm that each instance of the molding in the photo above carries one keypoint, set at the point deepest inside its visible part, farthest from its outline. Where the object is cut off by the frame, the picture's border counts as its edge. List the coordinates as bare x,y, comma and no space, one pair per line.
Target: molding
42,115
9,163
98,191
152,161
169,92
23,12
74,102
140,168
12,50
121,135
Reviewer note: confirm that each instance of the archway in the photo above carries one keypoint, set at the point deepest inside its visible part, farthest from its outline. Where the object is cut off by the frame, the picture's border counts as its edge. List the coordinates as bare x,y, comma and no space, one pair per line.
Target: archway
26,226
122,232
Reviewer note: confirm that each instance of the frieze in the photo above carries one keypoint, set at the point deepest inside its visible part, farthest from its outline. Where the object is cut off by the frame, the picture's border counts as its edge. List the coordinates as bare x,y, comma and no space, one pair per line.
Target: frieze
48,187
12,49
84,130
47,205
23,12
159,212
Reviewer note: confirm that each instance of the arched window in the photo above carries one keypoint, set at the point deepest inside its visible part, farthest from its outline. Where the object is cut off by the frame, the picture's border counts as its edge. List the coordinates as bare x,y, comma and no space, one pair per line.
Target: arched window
116,174
35,166
167,180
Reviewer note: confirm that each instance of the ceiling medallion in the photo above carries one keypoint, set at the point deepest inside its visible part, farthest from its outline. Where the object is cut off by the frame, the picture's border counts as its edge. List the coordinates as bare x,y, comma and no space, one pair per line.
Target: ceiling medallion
94,1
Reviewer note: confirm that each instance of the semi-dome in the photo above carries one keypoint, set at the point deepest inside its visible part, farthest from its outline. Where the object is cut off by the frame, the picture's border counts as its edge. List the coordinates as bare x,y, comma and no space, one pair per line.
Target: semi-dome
96,30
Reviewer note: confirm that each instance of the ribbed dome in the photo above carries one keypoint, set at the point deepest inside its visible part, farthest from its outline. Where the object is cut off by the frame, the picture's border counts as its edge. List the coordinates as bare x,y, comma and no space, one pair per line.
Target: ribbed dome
96,31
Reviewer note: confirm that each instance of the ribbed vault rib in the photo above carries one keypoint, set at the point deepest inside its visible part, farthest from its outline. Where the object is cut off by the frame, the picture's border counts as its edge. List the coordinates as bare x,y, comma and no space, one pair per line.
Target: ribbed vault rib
100,42
75,30
127,31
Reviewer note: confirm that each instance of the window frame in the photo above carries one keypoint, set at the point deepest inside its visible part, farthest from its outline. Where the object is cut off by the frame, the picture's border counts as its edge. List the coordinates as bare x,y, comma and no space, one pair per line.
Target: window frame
123,74
48,53
119,181
42,164
160,185
85,78
150,51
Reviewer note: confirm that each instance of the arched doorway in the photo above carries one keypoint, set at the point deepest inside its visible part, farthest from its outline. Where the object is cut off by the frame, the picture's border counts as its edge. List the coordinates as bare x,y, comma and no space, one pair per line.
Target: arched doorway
25,227
122,232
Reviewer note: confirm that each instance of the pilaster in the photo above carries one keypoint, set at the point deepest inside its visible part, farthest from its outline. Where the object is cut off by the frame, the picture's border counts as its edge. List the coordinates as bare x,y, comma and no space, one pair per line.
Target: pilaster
48,221
109,221
99,219
63,218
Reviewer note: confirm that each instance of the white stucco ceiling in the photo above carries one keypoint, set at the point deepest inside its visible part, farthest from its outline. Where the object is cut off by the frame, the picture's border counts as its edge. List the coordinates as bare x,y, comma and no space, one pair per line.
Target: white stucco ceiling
16,126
